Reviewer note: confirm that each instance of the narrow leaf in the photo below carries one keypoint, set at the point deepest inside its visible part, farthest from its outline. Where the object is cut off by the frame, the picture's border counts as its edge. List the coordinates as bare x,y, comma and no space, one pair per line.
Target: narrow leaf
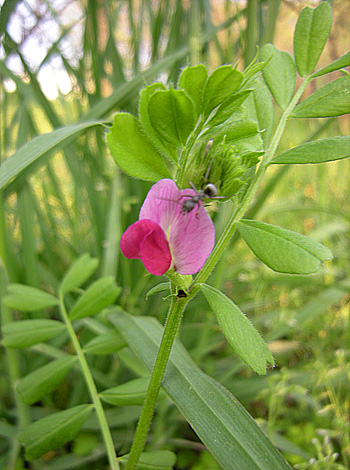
44,380
222,424
192,80
156,460
279,74
98,296
282,250
53,431
28,299
342,62
133,152
221,84
318,151
128,394
165,148
36,148
238,330
171,113
106,343
78,273
311,33
162,287
22,334
330,100
260,107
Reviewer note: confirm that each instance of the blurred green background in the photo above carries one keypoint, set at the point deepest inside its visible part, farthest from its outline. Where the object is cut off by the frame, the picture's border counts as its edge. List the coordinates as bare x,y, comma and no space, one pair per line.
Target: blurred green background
65,62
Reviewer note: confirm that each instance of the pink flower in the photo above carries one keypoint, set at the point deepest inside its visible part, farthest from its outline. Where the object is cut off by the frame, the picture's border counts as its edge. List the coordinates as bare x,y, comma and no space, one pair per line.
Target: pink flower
166,237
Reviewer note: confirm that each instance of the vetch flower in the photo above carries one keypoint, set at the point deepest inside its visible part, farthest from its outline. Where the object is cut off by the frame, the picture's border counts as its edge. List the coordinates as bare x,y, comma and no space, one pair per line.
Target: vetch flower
165,236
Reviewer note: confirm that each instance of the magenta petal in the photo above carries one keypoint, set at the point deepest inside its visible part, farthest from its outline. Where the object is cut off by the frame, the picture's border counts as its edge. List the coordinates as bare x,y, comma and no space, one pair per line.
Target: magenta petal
130,242
161,203
155,253
192,239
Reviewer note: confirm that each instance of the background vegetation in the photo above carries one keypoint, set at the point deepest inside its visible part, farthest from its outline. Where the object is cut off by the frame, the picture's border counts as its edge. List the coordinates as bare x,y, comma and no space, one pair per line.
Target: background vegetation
75,200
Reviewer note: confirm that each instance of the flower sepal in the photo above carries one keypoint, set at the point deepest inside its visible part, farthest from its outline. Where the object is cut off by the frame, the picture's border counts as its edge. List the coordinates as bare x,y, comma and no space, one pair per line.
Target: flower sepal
182,281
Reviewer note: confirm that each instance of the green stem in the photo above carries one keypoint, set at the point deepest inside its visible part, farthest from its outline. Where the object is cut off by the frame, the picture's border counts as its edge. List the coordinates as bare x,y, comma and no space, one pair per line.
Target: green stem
112,457
171,328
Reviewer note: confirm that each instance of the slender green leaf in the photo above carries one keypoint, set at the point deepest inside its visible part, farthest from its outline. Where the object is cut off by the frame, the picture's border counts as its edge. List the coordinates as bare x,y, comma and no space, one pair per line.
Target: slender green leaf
129,393
260,106
133,152
279,74
171,113
162,287
164,147
342,62
99,295
106,343
282,250
311,33
78,273
330,100
192,80
317,151
37,148
156,460
44,380
28,299
53,431
221,84
223,425
22,334
239,331
230,105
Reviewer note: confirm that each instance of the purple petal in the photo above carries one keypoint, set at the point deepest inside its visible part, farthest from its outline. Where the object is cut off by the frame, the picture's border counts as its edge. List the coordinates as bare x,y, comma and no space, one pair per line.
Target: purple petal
192,238
130,242
161,203
155,253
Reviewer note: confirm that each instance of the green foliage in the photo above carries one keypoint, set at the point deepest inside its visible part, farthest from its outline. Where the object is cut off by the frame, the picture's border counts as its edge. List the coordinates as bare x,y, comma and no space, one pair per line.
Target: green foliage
80,271
192,390
311,33
279,74
132,151
317,151
98,296
282,250
44,380
64,205
328,101
28,299
53,431
25,333
239,331
129,393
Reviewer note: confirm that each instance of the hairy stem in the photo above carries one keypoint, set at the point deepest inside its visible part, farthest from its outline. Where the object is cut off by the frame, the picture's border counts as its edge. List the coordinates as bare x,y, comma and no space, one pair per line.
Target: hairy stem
171,328
112,457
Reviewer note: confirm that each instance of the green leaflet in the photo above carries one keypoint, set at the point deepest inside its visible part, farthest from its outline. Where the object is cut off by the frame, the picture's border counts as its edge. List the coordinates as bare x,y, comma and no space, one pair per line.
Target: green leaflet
78,273
28,299
24,333
171,113
310,36
53,431
317,151
238,330
44,380
330,100
282,250
133,152
279,74
99,295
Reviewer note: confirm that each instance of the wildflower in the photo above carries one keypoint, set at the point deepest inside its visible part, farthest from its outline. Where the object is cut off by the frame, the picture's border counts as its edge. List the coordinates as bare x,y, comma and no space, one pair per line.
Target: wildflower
166,237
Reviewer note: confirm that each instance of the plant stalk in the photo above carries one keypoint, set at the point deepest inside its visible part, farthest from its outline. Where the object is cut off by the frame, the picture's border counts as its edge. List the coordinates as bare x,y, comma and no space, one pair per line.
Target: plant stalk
112,457
171,328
